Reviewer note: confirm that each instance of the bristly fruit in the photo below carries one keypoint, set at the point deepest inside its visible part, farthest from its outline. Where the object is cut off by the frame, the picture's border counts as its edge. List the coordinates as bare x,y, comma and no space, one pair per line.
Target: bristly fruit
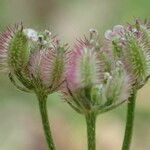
11,47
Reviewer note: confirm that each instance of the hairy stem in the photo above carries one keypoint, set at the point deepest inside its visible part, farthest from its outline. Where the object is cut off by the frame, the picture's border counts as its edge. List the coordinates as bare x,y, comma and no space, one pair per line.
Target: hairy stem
91,137
43,110
129,122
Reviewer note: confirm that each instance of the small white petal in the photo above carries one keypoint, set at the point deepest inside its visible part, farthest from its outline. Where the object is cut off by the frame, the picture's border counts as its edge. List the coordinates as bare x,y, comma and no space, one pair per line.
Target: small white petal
108,34
31,34
48,32
85,50
45,42
106,75
93,31
119,63
100,87
118,28
134,30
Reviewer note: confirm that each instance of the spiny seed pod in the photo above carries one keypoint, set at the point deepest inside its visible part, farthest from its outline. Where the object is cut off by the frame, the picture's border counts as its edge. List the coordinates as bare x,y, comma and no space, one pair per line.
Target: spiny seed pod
34,58
18,51
88,87
131,45
137,52
14,52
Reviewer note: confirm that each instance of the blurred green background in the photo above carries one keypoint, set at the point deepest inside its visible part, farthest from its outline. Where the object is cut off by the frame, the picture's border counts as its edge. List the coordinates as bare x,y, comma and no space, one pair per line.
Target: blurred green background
20,124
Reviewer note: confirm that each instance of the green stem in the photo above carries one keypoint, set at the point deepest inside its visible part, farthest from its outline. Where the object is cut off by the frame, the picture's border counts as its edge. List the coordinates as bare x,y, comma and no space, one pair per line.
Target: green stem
91,137
43,110
129,122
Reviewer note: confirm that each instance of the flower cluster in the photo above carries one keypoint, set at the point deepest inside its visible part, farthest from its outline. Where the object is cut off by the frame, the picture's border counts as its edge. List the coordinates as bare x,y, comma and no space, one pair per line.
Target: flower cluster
131,45
95,78
36,59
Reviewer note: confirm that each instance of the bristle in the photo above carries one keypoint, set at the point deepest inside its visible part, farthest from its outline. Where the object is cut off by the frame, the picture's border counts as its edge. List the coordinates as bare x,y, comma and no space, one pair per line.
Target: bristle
5,39
34,64
47,66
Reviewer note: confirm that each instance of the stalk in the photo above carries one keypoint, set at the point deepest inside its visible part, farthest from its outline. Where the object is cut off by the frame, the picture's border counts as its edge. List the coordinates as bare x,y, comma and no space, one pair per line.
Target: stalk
129,122
46,126
91,135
